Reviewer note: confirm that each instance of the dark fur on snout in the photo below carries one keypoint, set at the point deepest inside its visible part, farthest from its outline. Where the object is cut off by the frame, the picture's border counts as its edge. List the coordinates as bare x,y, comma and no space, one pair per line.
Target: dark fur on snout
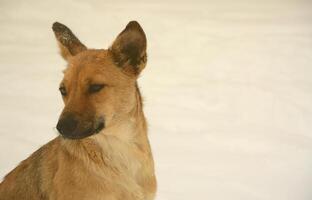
72,126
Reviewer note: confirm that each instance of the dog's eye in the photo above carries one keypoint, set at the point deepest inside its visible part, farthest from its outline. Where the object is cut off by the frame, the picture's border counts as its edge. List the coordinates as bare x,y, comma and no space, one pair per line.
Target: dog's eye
63,91
93,88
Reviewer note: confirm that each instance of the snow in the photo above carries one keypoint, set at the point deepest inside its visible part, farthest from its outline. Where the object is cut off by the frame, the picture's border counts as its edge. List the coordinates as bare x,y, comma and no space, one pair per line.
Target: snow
227,89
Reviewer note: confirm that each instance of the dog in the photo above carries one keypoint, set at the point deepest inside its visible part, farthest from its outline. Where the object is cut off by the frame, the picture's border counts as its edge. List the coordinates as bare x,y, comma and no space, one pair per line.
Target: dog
102,151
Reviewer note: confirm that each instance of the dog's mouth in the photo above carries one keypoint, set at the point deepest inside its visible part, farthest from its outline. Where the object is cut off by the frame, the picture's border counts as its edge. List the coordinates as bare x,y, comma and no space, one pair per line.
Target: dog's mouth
72,130
99,127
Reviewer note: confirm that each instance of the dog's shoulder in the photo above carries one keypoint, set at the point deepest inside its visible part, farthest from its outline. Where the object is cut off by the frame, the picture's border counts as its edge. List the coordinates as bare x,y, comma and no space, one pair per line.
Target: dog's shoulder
29,172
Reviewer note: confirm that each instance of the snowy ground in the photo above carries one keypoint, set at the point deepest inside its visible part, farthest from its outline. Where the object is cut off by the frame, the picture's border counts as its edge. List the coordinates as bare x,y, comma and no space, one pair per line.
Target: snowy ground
228,89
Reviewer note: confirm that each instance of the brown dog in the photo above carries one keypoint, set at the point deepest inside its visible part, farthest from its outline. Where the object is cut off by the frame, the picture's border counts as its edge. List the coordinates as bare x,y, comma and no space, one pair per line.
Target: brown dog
102,152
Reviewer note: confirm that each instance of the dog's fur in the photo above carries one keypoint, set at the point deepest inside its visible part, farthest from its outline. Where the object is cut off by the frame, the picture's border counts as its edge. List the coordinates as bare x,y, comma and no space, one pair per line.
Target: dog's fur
88,161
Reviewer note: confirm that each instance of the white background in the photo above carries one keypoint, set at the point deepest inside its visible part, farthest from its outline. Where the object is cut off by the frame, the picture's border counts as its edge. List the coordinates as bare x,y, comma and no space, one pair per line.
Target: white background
227,88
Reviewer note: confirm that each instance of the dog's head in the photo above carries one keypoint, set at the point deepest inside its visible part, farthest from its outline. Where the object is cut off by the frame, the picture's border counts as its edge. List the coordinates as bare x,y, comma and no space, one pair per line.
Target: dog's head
99,86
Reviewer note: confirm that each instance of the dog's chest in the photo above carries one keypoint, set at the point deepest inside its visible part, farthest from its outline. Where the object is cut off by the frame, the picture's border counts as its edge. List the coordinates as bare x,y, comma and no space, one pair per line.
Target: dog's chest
109,172
121,165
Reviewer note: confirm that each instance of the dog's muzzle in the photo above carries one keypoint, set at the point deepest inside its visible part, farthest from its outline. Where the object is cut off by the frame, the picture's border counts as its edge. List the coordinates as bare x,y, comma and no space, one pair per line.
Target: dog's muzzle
73,127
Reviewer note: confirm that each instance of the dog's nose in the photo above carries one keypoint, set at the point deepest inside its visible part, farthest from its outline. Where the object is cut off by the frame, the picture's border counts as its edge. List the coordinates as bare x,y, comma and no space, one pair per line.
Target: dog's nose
67,124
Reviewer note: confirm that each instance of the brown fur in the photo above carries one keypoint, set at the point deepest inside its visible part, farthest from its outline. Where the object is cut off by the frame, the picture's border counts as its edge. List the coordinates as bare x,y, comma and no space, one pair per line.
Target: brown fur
114,164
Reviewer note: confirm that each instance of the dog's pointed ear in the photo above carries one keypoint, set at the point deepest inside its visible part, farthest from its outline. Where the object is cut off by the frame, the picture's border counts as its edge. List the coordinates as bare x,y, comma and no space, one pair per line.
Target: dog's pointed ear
69,44
129,49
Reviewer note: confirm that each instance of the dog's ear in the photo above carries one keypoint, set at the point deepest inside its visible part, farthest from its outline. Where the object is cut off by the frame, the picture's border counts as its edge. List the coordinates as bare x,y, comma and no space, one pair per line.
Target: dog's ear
129,49
69,44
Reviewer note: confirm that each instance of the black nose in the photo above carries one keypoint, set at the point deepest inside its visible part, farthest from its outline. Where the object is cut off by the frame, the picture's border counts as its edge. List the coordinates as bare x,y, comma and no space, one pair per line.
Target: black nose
67,124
